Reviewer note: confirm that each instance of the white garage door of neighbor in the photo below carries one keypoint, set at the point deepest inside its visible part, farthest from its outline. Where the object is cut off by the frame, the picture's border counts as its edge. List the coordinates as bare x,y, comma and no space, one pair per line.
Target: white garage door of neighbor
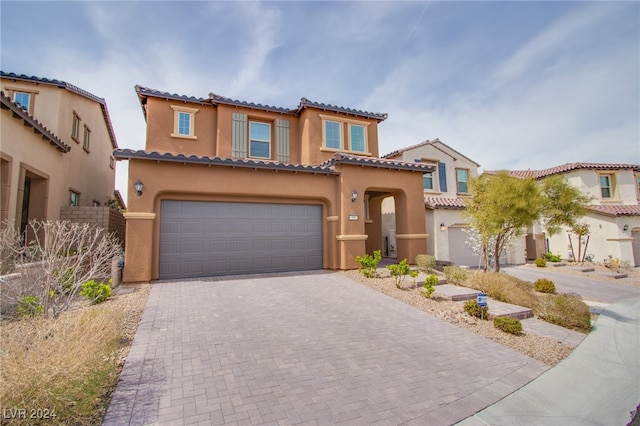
200,239
459,253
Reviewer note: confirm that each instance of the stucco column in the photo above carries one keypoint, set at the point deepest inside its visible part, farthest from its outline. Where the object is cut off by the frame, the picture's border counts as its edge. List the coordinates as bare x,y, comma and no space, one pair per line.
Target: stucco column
351,237
411,233
137,255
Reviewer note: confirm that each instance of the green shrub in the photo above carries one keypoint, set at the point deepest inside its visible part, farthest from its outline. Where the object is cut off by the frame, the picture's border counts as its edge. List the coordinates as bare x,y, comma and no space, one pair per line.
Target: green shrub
566,310
425,262
503,287
552,257
30,306
428,286
472,308
96,292
544,285
400,271
368,263
540,262
455,274
508,325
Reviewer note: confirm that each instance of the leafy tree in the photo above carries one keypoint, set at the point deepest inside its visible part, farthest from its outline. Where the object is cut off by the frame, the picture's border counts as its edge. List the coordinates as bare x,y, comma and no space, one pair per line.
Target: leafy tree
501,207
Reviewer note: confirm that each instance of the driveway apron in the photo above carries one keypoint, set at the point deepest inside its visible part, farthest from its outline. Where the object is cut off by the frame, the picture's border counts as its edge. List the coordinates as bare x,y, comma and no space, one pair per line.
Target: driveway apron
313,348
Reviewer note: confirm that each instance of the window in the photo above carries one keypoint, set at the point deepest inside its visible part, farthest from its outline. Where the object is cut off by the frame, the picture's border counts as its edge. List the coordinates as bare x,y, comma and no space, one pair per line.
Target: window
344,134
259,140
96,203
87,139
332,135
606,189
462,178
74,198
75,127
184,122
23,99
427,181
638,186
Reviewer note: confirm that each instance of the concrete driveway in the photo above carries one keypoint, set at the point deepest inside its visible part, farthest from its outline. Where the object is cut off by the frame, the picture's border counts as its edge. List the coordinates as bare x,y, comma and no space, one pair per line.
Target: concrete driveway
590,289
313,348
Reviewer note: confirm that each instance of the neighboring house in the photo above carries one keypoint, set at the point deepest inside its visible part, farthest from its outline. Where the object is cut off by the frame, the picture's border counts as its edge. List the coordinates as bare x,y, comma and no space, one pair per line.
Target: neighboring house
444,191
613,218
56,148
232,187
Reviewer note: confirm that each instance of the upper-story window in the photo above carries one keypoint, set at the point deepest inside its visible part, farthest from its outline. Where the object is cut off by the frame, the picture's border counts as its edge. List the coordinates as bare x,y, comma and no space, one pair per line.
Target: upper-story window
184,125
334,138
259,140
23,99
75,127
638,186
462,179
427,181
606,186
86,141
74,198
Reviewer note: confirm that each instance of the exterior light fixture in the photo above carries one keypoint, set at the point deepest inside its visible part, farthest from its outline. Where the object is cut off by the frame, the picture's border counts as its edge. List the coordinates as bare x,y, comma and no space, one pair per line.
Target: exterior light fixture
625,228
442,227
138,186
354,195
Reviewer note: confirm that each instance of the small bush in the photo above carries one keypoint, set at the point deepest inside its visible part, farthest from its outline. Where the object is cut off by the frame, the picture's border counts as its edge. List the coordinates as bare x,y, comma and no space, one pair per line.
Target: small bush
566,310
428,286
30,306
540,262
369,264
544,285
455,274
472,308
425,262
508,325
400,271
96,292
552,257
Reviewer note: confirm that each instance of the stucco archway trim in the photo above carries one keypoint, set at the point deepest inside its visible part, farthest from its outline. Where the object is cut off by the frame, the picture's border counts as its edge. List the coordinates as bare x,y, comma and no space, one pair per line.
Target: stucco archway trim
351,237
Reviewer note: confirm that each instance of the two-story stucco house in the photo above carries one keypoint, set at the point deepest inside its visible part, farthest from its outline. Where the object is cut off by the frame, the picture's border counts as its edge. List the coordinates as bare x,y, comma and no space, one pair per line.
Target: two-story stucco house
56,148
614,211
233,187
444,191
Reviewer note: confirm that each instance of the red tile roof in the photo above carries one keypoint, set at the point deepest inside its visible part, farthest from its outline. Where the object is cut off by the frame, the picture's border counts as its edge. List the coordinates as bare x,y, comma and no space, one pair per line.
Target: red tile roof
568,167
434,203
397,152
616,210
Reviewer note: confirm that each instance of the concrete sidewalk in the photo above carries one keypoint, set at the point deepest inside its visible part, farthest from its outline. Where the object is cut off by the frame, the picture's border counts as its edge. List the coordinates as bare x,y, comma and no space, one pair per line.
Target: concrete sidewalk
598,384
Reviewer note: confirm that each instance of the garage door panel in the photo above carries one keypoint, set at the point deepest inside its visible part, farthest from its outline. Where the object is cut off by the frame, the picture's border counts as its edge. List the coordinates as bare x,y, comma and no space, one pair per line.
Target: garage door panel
215,238
459,252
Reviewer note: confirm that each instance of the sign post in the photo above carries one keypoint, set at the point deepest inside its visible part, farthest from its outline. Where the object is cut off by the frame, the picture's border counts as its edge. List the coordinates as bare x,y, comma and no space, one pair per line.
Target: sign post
482,302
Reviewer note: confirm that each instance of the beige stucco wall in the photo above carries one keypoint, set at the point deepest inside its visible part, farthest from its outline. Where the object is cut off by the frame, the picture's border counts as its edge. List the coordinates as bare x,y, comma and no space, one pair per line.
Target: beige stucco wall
88,173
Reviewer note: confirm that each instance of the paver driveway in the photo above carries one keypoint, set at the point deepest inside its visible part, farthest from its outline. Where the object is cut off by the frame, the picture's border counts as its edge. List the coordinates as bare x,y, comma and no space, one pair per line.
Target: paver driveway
315,348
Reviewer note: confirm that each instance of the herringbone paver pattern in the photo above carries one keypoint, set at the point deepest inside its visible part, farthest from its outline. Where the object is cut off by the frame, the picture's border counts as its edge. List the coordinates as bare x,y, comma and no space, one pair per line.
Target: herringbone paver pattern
304,349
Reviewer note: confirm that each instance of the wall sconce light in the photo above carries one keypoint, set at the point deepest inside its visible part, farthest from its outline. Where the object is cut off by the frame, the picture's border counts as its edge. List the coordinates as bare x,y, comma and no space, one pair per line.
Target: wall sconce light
625,228
354,195
138,186
442,227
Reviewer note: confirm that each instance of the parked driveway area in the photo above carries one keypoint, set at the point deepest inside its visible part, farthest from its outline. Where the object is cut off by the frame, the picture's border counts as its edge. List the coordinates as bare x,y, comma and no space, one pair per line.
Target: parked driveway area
312,348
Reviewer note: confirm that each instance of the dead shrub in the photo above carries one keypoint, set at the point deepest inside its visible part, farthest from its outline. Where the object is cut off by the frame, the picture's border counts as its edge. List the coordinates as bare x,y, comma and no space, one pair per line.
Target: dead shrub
565,309
503,288
64,364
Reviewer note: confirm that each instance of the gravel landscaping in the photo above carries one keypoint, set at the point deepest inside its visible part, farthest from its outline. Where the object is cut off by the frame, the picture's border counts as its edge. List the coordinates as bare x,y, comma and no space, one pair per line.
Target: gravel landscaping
541,348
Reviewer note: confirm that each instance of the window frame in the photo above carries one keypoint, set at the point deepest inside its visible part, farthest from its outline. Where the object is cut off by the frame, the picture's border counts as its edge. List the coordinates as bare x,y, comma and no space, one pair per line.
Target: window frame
191,113
75,127
86,139
424,175
73,192
29,98
12,90
611,186
458,181
345,134
250,139
434,174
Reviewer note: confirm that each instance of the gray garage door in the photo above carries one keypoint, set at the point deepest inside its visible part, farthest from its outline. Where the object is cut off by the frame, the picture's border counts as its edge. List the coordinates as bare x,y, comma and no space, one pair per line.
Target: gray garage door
199,239
459,253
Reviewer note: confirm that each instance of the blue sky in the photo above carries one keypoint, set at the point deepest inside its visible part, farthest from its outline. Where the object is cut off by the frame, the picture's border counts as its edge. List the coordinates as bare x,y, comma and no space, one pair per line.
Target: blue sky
509,84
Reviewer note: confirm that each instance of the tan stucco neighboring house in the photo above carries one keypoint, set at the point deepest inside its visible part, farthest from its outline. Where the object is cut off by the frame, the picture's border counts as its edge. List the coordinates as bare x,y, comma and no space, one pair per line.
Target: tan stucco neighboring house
56,148
234,187
444,192
614,212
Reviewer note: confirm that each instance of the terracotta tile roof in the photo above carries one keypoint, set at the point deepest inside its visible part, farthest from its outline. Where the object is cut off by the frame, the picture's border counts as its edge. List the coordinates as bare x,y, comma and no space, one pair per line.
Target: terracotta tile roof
126,154
616,210
215,99
31,121
564,168
434,203
75,89
434,142
343,158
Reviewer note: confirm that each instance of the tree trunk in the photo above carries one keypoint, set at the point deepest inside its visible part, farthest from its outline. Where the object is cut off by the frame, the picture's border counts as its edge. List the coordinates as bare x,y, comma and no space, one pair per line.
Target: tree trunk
496,253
